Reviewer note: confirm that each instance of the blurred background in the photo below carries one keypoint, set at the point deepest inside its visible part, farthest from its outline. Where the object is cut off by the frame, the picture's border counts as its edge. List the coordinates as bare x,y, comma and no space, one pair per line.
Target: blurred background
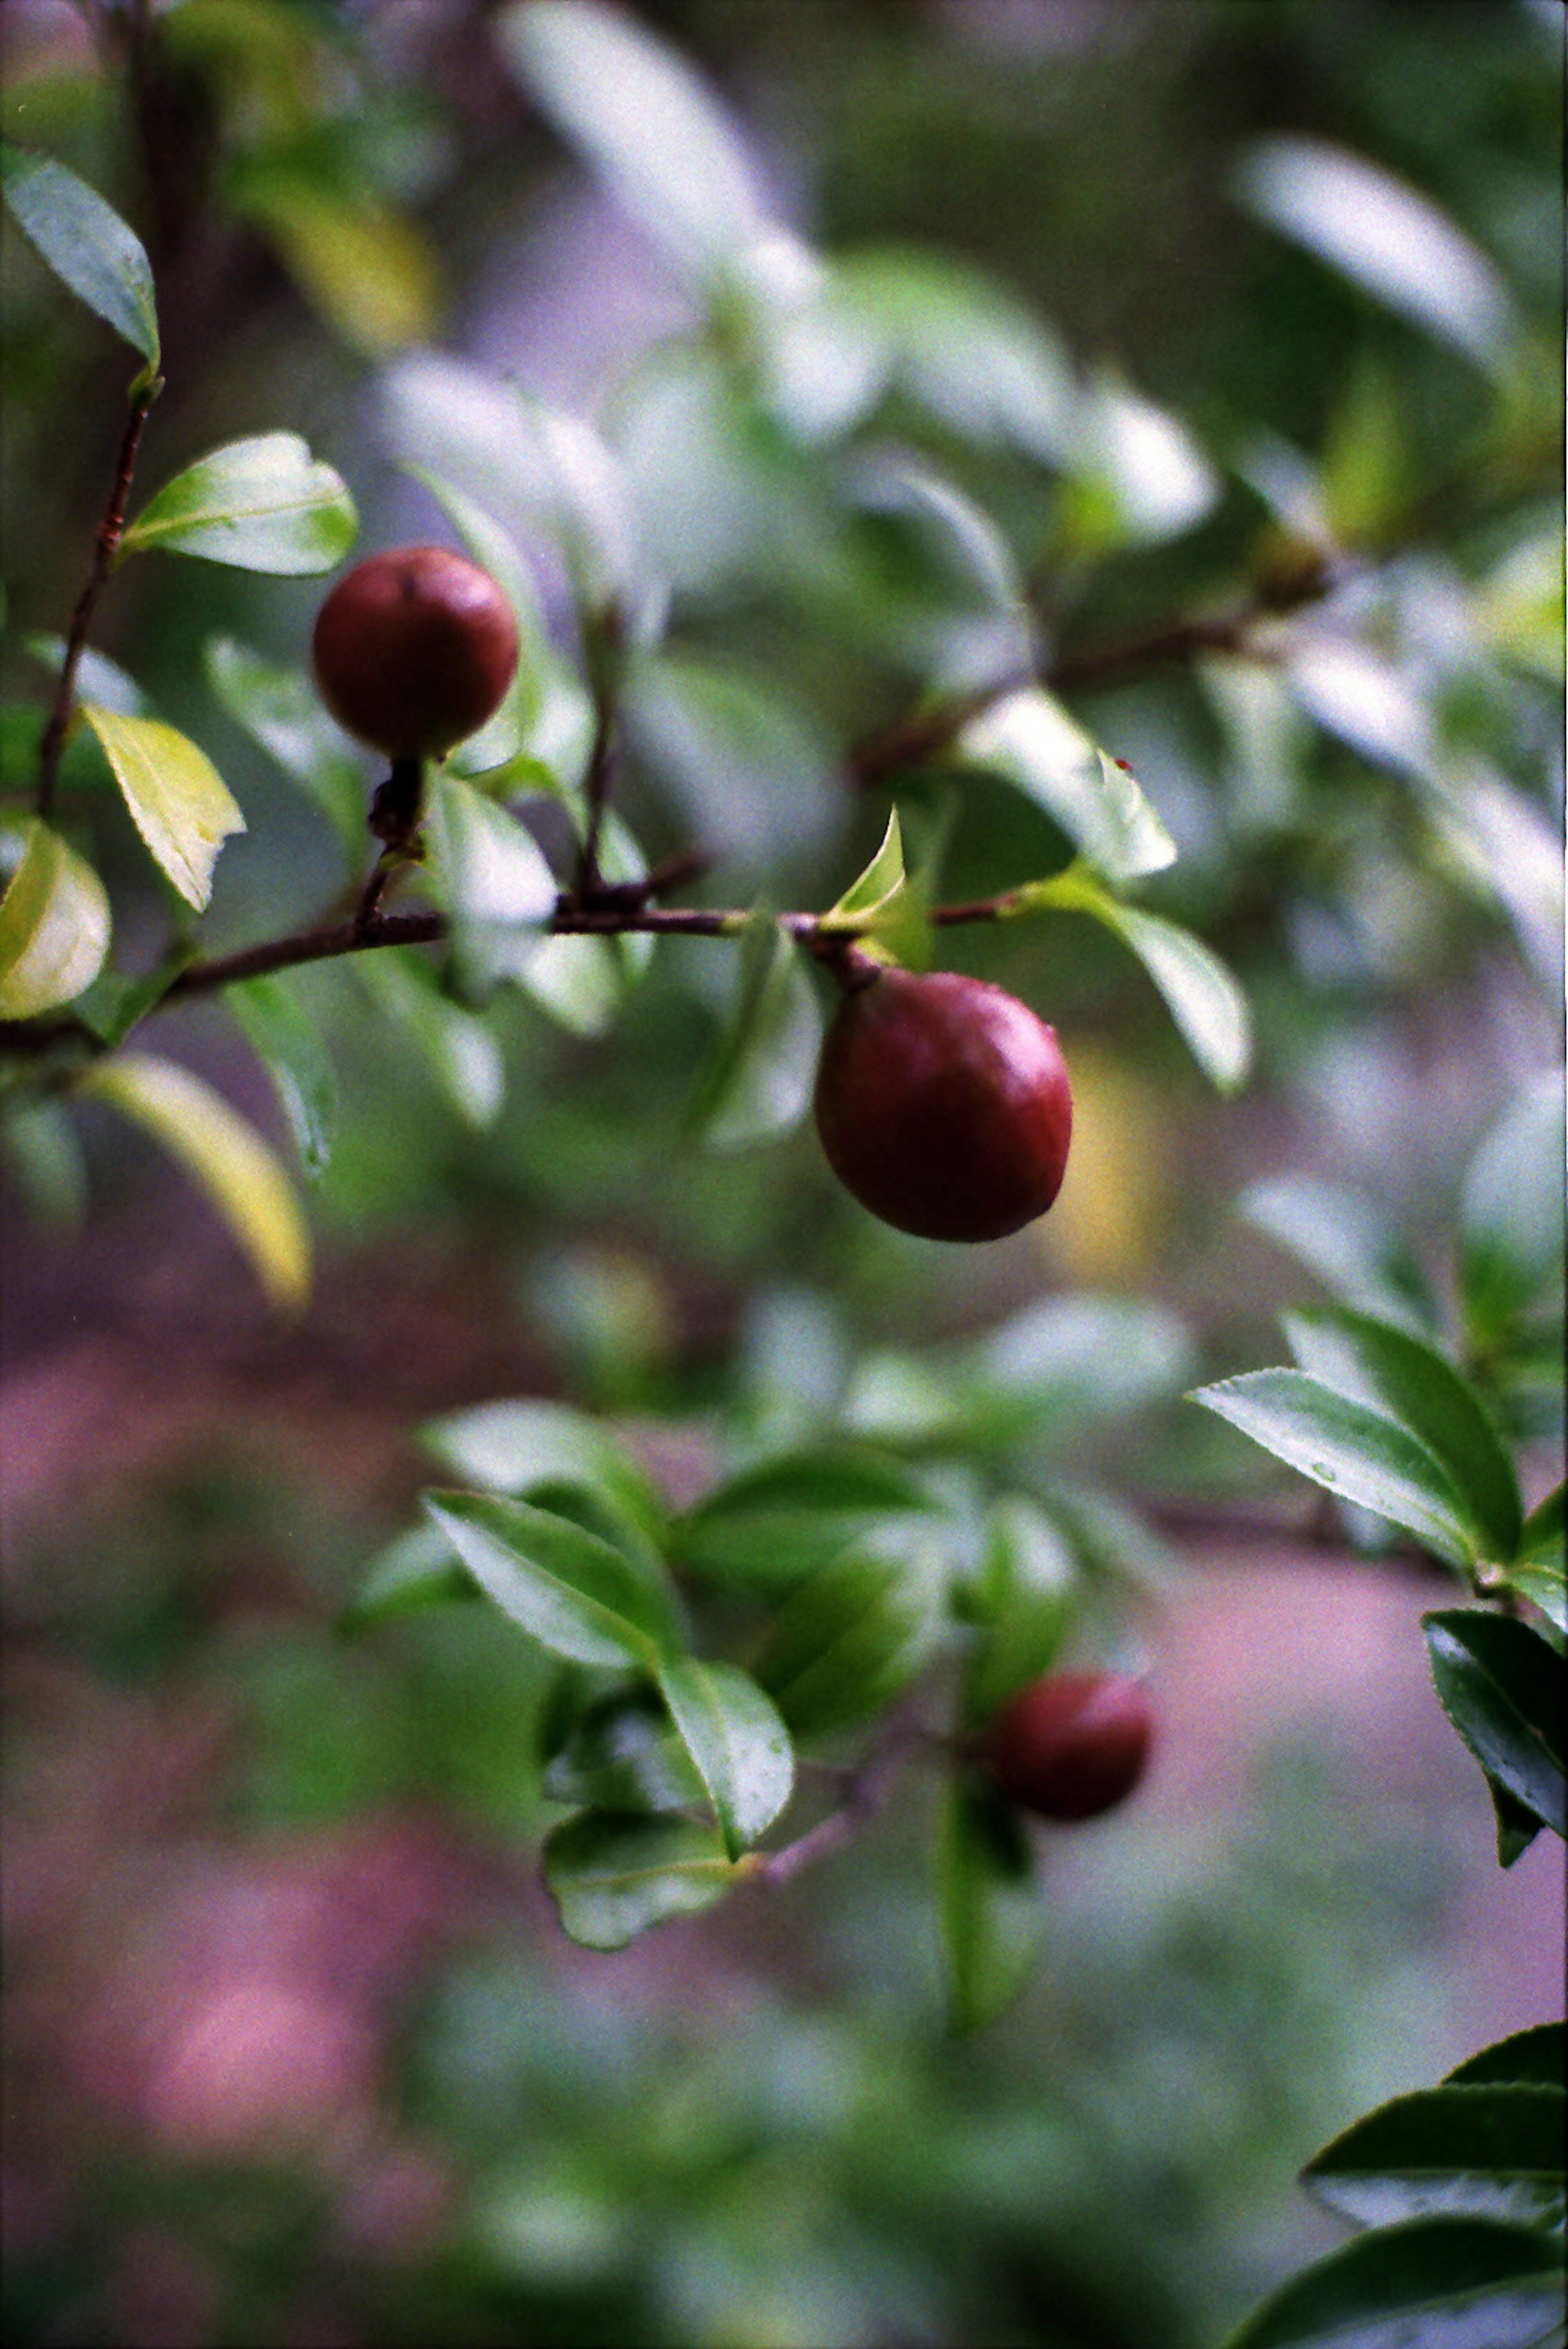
295,2051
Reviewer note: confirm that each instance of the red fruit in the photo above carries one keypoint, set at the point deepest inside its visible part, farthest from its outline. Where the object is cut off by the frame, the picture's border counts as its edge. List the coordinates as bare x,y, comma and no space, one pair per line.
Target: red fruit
414,649
943,1105
1072,1744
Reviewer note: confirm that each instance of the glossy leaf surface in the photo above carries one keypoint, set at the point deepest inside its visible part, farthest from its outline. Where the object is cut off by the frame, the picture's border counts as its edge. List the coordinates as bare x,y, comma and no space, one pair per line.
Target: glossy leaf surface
568,1589
262,505
53,927
180,804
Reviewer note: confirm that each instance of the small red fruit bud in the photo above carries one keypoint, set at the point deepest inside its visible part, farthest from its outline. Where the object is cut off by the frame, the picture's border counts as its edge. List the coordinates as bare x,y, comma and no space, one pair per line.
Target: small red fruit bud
414,649
1072,1744
943,1105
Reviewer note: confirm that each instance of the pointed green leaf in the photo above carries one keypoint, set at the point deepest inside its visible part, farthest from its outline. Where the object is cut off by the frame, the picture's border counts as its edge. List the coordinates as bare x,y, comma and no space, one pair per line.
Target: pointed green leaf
737,1741
624,1753
180,804
53,927
1511,1213
567,1589
1355,1452
85,243
758,1082
1429,2283
871,891
852,1637
612,1877
1534,2055
1377,1364
1068,1361
262,505
1030,740
1541,1542
989,1900
227,1157
290,1044
1503,1686
1481,2151
642,118
768,1528
513,1446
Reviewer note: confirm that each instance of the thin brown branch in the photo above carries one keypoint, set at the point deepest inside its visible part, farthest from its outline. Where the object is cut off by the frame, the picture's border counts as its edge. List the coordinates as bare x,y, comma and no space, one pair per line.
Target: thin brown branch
866,1789
105,543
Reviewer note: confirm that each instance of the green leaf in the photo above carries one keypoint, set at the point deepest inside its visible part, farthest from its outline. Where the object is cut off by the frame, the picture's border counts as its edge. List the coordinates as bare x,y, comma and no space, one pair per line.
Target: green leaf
852,1637
279,710
1390,240
53,927
262,505
624,1753
1022,1602
758,1083
641,118
1545,1586
515,1446
418,1569
1502,1685
568,1589
1533,2055
85,243
234,1165
1136,474
1375,1364
288,1041
989,1902
494,879
458,1046
882,877
1355,1452
1517,1827
736,1738
180,804
1429,2283
1030,740
1338,1233
1479,2151
612,1877
113,1005
770,1526
1511,1213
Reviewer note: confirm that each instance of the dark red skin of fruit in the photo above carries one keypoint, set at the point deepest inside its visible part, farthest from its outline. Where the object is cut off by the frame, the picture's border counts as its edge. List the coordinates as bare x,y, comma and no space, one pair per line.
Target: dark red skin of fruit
414,649
943,1105
1072,1744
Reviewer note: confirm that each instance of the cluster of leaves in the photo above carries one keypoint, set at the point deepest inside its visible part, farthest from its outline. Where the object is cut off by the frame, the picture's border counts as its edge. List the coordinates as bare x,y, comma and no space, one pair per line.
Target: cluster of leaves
915,1526
1461,2186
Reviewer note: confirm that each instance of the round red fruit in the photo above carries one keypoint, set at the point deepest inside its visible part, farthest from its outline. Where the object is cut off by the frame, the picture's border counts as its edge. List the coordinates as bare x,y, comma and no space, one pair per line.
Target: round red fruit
1072,1744
414,649
943,1105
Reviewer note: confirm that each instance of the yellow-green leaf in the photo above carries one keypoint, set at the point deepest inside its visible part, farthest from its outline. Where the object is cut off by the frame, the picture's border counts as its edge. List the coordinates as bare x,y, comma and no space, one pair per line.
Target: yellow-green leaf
182,806
54,927
234,1167
367,270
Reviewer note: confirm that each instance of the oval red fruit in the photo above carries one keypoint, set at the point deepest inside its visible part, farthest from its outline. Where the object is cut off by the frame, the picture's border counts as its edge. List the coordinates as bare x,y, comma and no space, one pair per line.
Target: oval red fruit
943,1105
